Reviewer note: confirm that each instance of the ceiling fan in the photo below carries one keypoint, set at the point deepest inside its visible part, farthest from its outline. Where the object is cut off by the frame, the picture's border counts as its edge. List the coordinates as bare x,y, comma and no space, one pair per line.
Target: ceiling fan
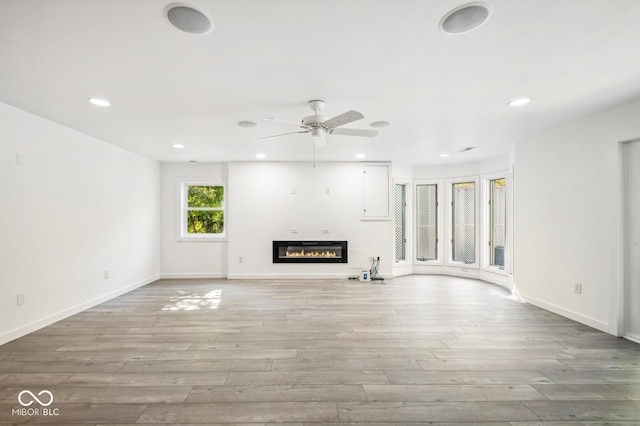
319,125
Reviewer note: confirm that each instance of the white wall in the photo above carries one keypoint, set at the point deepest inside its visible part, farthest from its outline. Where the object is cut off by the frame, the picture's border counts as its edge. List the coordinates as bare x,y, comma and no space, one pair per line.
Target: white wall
77,207
568,223
269,200
188,259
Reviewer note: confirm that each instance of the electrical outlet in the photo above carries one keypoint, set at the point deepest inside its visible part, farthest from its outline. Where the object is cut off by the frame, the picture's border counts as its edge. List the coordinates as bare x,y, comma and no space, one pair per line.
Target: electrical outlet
106,275
240,259
20,299
577,288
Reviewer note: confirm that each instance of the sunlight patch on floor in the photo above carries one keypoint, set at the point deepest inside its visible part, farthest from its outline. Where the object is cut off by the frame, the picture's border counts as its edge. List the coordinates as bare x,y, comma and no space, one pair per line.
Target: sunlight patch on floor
192,301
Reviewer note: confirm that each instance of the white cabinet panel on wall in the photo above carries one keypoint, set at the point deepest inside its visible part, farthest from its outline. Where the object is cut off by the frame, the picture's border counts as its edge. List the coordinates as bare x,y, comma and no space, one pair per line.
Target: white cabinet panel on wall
376,191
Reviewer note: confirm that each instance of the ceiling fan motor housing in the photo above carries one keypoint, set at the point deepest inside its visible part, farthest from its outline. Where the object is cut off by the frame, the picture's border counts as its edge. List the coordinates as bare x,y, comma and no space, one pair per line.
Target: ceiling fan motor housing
314,120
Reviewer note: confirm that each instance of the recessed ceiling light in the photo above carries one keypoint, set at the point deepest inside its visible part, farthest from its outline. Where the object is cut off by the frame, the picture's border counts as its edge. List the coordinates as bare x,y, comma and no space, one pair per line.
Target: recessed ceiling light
518,102
177,146
261,156
465,18
360,156
380,124
247,124
99,102
444,155
188,19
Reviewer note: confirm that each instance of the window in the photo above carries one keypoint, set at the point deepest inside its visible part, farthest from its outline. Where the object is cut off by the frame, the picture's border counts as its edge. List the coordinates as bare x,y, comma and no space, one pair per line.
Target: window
203,211
463,216
426,222
497,221
400,202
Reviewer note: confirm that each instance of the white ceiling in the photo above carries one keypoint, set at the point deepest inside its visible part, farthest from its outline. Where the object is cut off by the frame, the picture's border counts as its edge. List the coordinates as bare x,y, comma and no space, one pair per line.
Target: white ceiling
385,58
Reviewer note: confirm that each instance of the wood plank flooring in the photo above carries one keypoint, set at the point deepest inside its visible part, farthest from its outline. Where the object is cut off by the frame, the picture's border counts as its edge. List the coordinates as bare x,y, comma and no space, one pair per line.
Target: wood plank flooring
418,350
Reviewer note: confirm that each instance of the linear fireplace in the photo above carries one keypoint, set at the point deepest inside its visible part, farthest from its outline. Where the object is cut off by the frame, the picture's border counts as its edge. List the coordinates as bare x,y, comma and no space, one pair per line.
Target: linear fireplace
309,252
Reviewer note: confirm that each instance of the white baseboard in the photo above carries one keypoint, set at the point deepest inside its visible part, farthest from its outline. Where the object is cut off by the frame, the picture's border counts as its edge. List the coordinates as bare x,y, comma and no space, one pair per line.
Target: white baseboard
632,336
402,269
43,322
591,322
175,276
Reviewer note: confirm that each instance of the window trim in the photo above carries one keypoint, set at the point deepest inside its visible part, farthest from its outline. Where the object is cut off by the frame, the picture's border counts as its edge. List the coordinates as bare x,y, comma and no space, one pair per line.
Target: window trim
486,222
439,222
405,223
183,189
449,222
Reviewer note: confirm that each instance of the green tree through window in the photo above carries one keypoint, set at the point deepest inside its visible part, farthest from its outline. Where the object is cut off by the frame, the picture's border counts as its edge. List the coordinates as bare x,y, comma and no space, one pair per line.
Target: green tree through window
205,209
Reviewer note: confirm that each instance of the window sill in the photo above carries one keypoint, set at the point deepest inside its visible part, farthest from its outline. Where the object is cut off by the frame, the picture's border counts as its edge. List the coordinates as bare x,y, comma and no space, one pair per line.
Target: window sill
494,270
458,264
428,262
203,238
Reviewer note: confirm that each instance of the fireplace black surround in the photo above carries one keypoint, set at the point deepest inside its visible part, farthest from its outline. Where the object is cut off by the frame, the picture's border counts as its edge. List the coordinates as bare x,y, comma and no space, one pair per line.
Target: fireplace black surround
309,252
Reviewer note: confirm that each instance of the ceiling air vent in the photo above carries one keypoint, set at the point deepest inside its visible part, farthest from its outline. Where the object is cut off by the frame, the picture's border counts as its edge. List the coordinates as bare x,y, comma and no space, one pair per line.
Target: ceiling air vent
468,148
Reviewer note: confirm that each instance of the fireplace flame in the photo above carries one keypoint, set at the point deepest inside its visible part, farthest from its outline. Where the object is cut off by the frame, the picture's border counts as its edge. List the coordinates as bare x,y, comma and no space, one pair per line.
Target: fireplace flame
303,253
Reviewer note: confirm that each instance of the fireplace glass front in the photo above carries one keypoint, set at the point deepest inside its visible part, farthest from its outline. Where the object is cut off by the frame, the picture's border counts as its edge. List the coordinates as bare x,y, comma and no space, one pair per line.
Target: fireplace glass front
309,252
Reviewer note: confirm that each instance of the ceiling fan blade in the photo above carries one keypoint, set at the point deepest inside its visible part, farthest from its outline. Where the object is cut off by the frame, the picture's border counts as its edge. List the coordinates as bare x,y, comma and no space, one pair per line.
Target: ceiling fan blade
284,134
342,119
367,133
277,120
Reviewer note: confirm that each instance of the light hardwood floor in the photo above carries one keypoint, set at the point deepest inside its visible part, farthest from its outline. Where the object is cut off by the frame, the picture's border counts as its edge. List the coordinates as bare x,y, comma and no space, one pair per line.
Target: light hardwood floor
418,350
